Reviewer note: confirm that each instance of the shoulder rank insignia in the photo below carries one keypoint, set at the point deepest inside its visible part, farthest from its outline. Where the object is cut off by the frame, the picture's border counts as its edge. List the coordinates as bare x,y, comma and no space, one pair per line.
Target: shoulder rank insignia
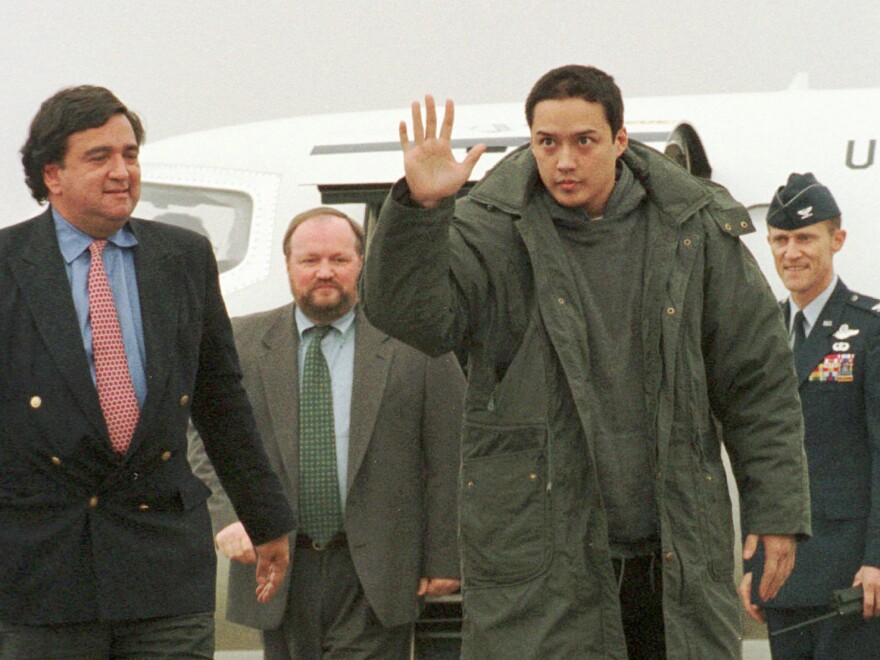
845,332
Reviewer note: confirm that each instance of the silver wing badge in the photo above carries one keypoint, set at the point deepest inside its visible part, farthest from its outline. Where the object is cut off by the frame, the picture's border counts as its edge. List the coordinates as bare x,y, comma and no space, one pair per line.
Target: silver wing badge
845,332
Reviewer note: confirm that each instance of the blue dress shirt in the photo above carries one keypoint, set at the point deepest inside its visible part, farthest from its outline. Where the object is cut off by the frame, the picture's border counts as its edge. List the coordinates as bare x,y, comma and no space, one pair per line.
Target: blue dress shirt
338,350
118,260
811,311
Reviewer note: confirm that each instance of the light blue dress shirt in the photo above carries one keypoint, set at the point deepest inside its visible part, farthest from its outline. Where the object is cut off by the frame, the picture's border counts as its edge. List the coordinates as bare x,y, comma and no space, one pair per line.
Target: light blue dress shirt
811,311
118,258
338,350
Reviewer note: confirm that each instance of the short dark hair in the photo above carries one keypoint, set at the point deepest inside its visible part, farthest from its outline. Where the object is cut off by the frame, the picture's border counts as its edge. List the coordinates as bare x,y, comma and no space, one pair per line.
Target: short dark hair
68,111
582,82
317,212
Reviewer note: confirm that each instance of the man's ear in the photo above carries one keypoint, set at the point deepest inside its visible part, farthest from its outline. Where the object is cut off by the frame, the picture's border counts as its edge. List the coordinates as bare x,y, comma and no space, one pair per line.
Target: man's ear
52,178
621,140
837,240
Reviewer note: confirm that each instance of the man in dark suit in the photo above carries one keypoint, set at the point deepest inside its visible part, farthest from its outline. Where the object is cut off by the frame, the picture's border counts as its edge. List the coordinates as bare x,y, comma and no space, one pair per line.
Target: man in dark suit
835,334
113,334
353,589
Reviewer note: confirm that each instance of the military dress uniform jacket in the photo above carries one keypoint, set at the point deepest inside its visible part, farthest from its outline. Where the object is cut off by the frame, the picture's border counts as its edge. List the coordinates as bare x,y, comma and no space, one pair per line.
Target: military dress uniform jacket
488,275
400,513
86,534
838,371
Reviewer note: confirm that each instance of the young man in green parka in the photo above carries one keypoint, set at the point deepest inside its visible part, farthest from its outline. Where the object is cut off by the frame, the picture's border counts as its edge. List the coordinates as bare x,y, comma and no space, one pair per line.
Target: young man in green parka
617,332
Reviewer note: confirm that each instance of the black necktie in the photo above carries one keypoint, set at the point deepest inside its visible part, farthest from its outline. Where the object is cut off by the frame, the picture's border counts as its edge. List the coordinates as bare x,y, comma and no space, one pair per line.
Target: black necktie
798,328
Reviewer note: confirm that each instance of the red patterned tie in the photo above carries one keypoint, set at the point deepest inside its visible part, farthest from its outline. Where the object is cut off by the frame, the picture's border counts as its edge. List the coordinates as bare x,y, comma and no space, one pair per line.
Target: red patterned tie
115,390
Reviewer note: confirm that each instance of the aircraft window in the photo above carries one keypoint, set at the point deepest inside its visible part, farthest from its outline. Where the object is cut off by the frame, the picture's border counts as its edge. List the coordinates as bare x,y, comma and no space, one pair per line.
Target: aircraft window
223,216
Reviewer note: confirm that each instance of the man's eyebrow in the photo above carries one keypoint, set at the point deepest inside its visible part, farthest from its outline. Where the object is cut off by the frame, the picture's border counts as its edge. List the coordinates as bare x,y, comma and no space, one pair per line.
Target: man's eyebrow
94,151
103,149
586,131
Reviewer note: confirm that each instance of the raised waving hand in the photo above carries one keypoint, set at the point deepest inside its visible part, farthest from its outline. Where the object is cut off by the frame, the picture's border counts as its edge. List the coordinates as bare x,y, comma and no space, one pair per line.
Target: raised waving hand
432,173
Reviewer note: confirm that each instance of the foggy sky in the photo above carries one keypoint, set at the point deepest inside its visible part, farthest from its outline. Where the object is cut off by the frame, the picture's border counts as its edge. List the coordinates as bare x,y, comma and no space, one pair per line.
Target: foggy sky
189,65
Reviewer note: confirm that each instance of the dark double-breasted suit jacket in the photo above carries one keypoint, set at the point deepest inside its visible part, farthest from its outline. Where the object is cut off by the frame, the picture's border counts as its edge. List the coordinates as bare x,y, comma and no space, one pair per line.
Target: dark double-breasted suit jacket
401,503
87,534
838,369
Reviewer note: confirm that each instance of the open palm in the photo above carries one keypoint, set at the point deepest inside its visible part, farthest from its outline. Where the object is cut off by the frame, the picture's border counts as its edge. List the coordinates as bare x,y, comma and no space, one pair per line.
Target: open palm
432,173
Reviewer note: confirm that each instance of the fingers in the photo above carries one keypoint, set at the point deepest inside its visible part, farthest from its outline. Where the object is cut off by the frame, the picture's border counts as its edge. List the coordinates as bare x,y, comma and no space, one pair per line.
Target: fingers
436,587
267,584
243,549
776,572
404,138
225,547
418,130
769,580
272,559
423,587
472,156
246,555
448,119
431,170
745,591
868,578
745,597
430,117
780,553
750,546
428,131
234,542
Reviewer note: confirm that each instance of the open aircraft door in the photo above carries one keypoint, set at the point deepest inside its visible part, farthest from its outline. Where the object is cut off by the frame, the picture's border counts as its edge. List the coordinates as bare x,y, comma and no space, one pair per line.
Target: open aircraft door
677,140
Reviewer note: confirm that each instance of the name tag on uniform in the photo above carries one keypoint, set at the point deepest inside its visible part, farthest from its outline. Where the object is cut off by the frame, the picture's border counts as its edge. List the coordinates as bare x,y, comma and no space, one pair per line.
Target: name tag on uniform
835,368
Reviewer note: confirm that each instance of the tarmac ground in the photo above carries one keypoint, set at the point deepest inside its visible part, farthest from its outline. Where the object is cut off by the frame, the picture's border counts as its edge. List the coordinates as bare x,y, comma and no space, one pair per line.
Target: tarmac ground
753,649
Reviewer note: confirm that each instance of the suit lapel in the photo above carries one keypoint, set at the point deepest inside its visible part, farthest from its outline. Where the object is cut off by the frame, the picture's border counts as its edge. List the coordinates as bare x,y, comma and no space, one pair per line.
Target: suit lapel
40,273
373,355
159,281
279,374
816,346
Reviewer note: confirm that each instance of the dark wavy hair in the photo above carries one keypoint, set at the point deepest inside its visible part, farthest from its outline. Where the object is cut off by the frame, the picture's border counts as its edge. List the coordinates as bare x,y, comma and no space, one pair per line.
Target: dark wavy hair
68,111
579,82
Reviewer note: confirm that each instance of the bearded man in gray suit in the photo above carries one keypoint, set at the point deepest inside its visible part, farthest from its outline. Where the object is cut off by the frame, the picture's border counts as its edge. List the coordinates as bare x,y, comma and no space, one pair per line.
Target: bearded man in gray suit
383,533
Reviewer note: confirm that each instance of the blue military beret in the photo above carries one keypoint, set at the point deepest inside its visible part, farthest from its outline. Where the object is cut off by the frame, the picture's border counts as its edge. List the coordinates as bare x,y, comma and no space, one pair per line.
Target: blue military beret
801,202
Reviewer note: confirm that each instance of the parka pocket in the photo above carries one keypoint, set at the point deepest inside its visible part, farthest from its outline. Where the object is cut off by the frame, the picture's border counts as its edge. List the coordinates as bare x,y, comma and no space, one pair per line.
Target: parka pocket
505,518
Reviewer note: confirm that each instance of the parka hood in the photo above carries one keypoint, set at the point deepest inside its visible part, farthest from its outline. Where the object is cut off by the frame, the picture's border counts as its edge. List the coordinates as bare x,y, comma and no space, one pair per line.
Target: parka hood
508,185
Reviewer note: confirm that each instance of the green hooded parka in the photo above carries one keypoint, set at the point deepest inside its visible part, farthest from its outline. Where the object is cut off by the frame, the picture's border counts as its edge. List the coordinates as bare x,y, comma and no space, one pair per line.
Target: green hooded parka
488,278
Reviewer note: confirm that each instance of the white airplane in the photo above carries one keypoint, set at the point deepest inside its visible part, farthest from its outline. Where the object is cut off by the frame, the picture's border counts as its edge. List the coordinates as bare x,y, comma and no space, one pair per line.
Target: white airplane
241,185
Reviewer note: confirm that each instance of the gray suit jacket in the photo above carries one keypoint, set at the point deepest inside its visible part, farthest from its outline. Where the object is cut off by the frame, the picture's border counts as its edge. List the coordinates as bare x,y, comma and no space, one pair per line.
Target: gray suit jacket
401,504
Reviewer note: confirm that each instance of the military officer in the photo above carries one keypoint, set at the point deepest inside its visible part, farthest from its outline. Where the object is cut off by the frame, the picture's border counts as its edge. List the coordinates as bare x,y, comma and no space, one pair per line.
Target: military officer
835,334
